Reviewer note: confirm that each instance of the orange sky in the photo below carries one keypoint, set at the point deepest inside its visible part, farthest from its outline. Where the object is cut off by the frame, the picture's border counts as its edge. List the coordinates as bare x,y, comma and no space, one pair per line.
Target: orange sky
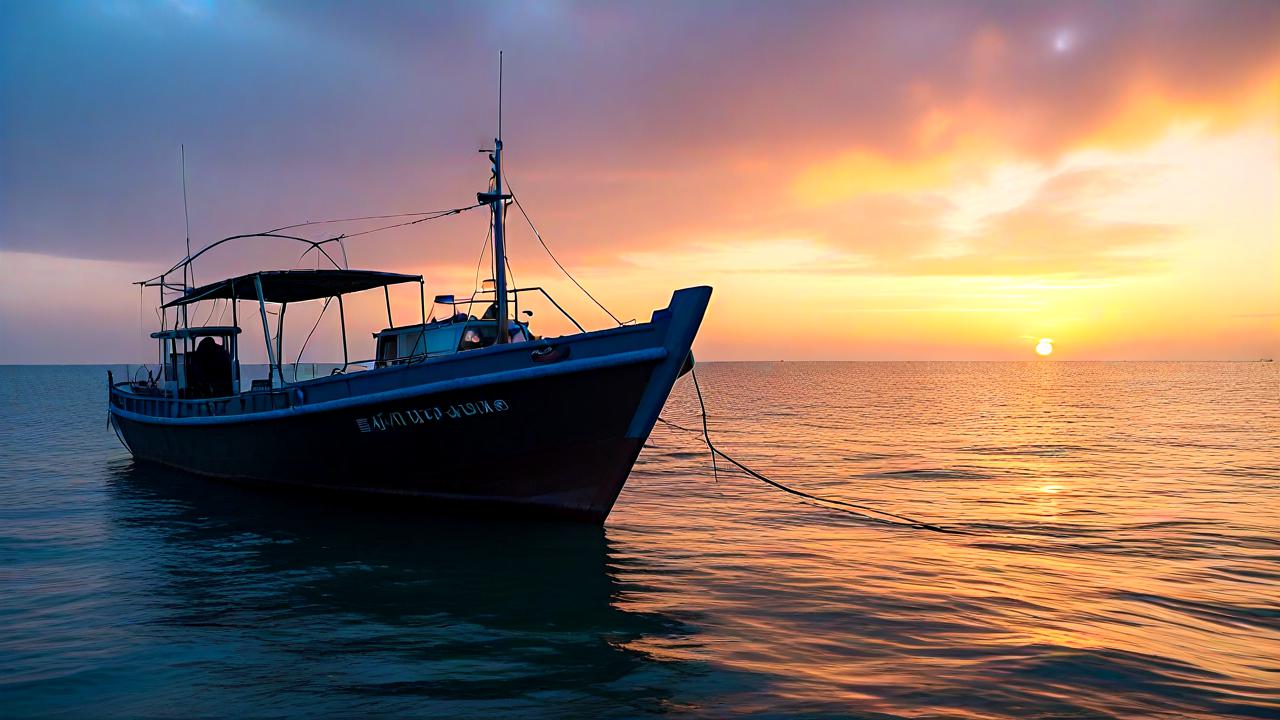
858,181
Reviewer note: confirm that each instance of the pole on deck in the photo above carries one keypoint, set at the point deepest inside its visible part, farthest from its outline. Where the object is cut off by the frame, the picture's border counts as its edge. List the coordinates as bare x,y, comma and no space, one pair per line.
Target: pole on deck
235,341
280,343
266,327
342,320
422,329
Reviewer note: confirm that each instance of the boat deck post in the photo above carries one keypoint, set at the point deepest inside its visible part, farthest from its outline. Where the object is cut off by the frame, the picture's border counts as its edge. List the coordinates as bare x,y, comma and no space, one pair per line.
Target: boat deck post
342,320
280,344
235,343
266,327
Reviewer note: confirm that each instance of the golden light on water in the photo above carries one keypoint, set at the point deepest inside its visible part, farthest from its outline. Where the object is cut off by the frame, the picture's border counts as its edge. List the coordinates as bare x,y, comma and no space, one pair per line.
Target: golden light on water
1045,347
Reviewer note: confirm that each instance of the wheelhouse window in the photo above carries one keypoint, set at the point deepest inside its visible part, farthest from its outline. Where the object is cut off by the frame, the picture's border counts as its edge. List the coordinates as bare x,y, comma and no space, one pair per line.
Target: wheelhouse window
386,350
478,335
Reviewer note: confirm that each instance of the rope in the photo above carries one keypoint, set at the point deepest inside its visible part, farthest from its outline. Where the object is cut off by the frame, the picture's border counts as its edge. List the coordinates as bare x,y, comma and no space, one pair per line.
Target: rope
553,255
842,505
304,342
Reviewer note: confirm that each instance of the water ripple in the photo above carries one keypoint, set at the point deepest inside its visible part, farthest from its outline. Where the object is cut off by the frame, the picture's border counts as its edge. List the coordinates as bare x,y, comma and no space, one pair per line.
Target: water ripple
1121,561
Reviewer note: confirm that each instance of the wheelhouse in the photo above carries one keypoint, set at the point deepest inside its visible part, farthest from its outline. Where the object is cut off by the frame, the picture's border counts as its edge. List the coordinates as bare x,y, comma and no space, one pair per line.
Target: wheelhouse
199,362
457,332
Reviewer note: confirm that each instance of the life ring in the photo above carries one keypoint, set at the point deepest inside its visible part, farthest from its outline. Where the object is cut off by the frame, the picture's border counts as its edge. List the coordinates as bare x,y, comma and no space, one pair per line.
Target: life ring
550,354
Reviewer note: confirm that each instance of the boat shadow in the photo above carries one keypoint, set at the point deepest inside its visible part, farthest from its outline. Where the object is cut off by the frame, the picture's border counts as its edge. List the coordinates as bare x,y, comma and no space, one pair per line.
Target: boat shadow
455,609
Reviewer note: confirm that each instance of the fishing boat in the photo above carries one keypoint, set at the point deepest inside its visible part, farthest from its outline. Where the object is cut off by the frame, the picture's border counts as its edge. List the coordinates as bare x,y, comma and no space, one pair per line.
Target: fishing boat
461,412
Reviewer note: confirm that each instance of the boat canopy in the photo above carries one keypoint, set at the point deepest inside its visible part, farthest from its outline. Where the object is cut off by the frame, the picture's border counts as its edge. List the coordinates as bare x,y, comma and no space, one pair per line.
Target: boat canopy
286,286
207,331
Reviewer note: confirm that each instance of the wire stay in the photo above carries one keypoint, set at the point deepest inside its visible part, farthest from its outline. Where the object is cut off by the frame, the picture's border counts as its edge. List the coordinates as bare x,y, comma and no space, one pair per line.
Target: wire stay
553,255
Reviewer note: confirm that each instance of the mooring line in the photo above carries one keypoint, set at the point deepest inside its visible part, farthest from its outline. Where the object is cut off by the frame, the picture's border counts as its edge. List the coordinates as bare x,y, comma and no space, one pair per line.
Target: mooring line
843,506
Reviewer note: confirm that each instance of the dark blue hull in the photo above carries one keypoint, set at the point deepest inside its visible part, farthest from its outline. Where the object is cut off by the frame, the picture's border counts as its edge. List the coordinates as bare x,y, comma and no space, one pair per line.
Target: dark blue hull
502,428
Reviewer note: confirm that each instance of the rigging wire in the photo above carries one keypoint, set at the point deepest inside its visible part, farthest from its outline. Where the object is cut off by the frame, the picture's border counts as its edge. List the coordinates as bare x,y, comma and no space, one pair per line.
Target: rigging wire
553,255
319,317
838,505
475,288
210,246
434,216
358,219
511,274
186,217
347,236
506,259
314,244
212,307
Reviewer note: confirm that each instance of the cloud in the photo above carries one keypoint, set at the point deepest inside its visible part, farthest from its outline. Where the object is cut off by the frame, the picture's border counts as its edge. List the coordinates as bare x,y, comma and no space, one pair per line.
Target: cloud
295,110
1053,234
752,255
815,148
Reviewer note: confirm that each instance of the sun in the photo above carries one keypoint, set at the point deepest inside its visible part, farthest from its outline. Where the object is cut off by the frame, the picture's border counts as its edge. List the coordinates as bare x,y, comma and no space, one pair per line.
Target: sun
1044,347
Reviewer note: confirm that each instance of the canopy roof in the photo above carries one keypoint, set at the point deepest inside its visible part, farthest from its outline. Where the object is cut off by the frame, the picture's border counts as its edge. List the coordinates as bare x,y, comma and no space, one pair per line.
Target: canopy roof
286,286
207,331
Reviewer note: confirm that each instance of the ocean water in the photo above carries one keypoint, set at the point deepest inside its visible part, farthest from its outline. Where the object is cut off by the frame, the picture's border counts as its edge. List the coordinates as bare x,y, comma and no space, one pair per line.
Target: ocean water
1121,558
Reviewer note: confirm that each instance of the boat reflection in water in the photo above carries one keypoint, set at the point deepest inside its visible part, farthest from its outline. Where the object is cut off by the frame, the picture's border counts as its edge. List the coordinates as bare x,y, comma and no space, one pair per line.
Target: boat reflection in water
271,601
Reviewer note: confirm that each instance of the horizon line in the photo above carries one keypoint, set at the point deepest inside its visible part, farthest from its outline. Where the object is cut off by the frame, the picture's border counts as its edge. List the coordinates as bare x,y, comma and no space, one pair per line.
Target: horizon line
766,360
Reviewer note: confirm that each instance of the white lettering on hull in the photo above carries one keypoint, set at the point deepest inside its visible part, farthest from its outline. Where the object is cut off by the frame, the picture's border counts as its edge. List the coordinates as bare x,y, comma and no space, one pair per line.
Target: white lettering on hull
388,420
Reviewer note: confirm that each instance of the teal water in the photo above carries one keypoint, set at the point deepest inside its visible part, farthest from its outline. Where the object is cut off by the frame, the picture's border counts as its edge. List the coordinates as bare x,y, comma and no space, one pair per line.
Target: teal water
1122,560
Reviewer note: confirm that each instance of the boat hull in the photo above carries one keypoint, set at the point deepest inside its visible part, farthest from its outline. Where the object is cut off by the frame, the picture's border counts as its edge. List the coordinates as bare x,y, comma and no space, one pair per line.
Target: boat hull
503,430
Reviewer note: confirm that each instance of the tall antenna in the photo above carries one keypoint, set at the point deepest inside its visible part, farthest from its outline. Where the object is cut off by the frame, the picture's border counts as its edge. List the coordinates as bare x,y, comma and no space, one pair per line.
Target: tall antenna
187,270
186,214
499,205
499,94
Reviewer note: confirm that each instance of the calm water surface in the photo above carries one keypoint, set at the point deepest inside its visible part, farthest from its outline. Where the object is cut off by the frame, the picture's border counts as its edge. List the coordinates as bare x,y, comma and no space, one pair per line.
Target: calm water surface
1123,561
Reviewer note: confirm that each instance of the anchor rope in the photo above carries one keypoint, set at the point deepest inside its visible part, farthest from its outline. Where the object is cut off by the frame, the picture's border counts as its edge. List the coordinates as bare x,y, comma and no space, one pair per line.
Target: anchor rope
849,508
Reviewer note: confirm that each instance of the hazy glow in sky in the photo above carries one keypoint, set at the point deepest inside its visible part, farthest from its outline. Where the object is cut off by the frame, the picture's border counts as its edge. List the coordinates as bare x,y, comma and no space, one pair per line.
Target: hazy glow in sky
857,180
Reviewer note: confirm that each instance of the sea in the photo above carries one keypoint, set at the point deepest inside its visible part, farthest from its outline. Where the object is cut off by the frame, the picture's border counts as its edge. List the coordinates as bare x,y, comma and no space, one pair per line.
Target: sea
1112,550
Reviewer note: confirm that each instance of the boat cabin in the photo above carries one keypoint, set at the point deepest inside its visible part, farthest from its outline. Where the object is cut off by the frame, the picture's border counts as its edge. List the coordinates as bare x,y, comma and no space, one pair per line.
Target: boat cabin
456,333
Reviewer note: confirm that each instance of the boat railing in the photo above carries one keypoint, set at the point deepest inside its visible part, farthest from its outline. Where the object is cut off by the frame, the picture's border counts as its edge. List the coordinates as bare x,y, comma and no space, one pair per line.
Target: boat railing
516,292
163,406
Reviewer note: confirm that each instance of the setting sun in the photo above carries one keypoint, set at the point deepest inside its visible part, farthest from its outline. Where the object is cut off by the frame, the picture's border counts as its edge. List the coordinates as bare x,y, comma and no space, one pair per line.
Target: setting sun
1044,347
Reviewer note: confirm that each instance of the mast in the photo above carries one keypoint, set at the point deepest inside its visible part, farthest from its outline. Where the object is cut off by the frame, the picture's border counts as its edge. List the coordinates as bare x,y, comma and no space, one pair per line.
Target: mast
186,217
497,203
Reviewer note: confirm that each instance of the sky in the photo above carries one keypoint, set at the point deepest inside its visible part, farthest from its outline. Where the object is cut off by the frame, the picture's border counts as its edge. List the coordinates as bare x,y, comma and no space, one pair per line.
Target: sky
857,180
